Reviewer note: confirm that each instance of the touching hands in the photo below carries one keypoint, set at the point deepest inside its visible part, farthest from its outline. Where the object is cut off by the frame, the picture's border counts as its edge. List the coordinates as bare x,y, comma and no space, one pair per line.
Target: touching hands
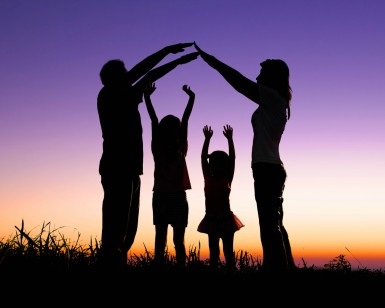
197,47
228,131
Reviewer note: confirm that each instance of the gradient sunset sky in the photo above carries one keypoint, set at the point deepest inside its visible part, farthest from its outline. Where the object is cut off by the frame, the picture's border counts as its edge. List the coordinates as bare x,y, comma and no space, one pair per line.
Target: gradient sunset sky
333,147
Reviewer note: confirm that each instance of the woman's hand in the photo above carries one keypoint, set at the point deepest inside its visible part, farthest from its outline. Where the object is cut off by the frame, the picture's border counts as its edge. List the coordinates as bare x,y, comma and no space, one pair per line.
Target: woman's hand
197,47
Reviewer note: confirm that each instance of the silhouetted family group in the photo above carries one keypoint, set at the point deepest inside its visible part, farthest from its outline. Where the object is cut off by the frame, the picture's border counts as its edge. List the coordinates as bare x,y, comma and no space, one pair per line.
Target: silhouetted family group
121,164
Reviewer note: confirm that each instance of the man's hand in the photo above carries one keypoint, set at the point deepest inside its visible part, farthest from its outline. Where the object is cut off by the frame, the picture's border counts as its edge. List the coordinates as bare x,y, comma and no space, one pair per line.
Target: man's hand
179,47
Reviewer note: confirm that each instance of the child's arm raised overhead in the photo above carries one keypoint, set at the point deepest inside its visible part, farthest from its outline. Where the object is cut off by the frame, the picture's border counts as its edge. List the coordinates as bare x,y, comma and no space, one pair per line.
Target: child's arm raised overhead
187,111
148,90
228,133
208,132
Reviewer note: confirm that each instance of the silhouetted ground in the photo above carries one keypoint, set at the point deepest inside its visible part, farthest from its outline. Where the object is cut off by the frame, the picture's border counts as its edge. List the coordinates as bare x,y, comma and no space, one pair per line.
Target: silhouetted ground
175,288
49,270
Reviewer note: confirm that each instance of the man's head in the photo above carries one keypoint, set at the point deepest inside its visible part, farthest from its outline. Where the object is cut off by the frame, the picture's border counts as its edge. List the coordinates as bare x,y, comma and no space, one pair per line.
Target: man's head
112,72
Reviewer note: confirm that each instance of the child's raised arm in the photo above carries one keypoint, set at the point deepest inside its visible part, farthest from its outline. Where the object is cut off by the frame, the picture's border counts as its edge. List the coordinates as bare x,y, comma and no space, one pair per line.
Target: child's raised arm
228,133
190,104
187,111
208,132
148,90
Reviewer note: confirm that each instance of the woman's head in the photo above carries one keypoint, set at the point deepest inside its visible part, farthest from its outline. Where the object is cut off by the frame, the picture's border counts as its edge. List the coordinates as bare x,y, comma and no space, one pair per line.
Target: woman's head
275,74
112,72
219,163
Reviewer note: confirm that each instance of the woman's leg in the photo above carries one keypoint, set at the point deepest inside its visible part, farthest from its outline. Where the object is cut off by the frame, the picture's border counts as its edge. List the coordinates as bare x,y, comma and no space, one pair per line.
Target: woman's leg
269,180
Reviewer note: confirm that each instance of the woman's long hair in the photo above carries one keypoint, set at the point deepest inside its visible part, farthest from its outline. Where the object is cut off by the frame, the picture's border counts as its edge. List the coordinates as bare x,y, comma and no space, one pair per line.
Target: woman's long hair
276,75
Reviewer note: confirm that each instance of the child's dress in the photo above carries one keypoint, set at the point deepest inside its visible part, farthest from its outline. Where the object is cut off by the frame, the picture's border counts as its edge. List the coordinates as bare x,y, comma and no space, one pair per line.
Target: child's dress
219,218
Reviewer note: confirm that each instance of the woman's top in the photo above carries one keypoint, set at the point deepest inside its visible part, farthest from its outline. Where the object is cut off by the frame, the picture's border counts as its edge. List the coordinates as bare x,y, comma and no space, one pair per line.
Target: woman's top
268,121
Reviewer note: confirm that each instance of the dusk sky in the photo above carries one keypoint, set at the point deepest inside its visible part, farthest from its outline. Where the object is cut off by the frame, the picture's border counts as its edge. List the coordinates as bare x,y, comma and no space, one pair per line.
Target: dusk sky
333,148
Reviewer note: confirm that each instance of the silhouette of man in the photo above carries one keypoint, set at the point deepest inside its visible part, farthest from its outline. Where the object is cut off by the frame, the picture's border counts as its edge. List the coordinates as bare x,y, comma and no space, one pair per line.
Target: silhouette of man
121,163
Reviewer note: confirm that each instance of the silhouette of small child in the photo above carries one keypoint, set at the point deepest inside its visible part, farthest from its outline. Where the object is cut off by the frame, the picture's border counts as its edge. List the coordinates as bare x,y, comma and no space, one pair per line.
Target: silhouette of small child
219,221
171,179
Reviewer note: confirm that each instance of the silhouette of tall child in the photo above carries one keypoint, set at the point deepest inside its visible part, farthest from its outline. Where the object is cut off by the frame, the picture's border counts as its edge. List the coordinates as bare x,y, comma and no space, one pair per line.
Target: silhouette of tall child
121,163
171,178
219,221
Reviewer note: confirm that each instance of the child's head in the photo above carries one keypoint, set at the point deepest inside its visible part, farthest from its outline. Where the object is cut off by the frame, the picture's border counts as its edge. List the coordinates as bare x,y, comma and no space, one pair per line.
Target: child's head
219,163
169,128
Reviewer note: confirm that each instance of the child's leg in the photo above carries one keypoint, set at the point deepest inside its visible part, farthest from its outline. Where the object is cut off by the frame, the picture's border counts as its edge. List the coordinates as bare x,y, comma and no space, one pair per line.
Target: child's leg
160,241
228,250
214,250
180,250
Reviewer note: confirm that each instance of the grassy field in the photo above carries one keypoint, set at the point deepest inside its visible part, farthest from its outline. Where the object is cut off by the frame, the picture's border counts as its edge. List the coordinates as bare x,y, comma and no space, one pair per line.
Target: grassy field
49,263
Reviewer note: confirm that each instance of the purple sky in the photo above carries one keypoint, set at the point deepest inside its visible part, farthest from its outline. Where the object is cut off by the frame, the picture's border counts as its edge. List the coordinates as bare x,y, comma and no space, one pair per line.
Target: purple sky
333,148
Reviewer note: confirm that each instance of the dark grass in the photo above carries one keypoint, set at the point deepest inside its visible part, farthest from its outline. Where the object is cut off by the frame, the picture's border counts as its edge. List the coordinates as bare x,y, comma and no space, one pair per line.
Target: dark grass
49,263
